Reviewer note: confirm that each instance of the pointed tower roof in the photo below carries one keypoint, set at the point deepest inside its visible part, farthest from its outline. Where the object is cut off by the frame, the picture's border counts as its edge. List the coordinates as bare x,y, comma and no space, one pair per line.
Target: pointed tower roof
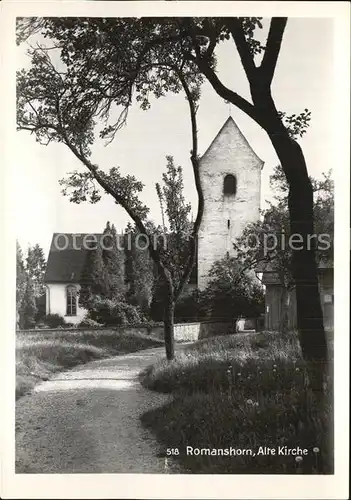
232,134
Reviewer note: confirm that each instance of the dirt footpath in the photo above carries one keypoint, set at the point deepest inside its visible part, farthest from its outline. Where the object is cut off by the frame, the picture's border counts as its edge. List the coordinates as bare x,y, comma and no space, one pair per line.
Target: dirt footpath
87,420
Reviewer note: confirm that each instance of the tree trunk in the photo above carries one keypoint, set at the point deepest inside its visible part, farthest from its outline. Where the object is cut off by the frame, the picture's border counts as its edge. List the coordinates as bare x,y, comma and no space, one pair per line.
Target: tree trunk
309,311
304,267
169,327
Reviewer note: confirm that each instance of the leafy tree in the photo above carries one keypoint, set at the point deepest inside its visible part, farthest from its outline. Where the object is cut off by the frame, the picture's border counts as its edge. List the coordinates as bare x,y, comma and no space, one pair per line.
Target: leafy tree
140,269
178,231
21,279
36,267
269,240
232,291
94,279
29,309
30,285
113,259
192,307
64,103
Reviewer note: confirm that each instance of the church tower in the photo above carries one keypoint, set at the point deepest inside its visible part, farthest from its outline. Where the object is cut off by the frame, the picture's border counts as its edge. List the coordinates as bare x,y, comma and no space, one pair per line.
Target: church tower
230,175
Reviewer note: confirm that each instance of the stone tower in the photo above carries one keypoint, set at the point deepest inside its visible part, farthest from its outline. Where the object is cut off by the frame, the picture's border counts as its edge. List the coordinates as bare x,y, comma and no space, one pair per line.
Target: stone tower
230,174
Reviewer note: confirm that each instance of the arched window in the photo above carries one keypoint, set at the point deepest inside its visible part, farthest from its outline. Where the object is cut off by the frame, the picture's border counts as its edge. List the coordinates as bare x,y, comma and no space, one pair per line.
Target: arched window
229,185
71,301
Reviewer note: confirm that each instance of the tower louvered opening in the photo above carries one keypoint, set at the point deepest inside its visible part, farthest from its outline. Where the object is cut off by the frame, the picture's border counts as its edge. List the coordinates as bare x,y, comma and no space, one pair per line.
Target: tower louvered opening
229,185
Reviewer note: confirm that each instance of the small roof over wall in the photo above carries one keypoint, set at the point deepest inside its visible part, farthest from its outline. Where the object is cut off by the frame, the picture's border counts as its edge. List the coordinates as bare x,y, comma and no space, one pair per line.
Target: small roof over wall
268,266
271,275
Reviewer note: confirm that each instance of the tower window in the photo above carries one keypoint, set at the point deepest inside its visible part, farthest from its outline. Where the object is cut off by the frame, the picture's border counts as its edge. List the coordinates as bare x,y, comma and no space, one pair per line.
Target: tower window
229,185
228,223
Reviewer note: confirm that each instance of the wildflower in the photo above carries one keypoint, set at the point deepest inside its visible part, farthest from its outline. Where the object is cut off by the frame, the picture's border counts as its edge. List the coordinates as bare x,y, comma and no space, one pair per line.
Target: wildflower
298,459
239,374
274,371
249,401
297,369
315,450
274,366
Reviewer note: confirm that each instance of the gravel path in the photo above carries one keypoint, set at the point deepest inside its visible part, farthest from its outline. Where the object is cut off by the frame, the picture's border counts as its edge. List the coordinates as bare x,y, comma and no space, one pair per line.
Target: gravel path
86,420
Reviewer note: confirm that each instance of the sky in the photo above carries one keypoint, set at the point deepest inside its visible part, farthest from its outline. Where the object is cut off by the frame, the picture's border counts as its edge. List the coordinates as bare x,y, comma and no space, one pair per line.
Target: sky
303,79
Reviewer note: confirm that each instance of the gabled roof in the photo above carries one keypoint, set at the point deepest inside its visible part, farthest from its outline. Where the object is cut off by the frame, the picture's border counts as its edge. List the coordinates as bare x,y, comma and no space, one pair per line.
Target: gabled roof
67,257
231,128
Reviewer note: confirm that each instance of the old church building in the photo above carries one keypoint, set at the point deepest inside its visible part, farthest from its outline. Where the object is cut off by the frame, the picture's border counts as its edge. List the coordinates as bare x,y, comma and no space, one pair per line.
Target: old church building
230,175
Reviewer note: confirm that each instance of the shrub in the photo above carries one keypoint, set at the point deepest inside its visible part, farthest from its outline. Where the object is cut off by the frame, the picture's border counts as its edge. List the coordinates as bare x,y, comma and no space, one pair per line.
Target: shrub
28,306
89,323
189,308
111,312
41,307
54,321
232,291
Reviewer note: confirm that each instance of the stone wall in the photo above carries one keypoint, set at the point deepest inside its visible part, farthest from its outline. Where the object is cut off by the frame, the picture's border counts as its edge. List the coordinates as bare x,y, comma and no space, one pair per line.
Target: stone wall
195,331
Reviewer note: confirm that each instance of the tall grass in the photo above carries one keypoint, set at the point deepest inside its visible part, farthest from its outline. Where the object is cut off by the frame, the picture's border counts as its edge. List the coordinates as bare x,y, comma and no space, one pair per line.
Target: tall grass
39,355
242,391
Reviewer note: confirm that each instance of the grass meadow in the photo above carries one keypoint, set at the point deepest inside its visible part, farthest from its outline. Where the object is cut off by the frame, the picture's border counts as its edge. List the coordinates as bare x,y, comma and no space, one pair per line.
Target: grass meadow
244,391
42,353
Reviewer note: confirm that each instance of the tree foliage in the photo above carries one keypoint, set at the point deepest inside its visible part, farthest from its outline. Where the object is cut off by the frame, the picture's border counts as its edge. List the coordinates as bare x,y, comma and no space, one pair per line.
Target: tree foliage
36,267
94,279
113,259
30,287
28,307
140,269
21,279
268,240
178,231
232,291
113,312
